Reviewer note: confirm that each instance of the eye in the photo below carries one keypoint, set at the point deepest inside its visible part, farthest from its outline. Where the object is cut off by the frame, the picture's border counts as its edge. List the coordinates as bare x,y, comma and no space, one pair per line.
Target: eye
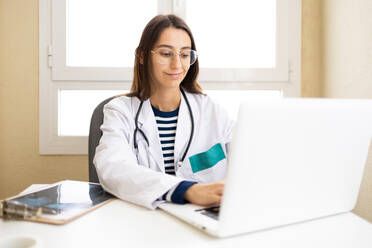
185,55
165,53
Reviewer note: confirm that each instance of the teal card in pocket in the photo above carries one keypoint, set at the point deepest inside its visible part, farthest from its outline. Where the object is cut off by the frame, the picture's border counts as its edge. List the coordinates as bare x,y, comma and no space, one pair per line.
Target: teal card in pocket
208,159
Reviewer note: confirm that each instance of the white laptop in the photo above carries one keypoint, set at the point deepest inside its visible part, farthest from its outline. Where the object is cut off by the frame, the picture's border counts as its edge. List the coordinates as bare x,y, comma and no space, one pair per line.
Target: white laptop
290,160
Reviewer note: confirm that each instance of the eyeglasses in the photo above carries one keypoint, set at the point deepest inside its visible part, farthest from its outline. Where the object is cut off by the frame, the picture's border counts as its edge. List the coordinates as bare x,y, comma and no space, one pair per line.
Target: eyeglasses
165,56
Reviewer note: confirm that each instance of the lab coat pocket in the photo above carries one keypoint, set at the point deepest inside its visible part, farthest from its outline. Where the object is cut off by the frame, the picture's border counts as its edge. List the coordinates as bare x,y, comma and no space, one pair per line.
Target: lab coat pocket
207,159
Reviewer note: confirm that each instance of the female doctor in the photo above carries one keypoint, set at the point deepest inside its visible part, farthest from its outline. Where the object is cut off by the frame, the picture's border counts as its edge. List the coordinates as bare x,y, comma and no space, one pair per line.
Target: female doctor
165,140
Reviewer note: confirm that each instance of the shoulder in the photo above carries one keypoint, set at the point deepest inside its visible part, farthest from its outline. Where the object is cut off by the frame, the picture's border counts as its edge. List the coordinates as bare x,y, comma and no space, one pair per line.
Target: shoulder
121,108
206,103
201,99
123,104
208,106
211,114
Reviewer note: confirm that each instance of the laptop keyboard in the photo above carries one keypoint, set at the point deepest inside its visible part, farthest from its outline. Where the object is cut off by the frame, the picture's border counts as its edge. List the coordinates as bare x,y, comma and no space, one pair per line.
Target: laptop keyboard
212,212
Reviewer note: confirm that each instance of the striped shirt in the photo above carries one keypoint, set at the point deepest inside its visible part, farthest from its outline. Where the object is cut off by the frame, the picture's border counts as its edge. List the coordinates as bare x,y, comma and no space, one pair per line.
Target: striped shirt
167,125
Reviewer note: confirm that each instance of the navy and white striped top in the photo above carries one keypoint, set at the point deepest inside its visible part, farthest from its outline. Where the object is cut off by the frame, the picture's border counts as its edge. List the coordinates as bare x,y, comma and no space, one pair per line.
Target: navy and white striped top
167,125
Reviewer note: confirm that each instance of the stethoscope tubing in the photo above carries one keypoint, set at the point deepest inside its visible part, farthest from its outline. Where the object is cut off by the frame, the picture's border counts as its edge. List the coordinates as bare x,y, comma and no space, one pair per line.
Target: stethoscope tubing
192,126
137,129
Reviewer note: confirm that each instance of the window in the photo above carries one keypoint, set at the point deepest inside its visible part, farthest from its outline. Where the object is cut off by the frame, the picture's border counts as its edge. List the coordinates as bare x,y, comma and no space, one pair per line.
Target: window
255,46
247,48
77,106
103,33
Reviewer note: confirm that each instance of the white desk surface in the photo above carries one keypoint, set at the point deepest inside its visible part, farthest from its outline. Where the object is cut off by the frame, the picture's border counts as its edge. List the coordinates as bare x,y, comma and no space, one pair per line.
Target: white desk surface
122,224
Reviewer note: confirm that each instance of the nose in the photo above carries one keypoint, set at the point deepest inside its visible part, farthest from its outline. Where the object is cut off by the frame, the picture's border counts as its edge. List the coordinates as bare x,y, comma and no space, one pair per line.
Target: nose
176,61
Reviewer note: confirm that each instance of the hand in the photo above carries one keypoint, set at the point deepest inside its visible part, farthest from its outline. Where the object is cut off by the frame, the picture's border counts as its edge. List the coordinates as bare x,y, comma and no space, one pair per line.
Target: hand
205,194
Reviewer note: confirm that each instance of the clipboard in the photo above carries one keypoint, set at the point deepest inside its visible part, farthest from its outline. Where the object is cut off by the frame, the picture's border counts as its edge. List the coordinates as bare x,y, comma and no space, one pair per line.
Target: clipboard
58,204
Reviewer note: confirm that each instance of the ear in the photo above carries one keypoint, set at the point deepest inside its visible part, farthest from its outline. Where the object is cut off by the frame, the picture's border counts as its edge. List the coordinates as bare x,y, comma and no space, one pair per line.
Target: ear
140,57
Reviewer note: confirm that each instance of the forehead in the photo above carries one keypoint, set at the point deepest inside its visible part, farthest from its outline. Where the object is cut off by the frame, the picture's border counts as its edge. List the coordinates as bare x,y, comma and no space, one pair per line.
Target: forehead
174,37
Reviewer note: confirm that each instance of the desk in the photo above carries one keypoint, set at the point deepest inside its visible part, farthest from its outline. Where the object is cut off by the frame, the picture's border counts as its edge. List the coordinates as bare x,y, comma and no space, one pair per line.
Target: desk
122,224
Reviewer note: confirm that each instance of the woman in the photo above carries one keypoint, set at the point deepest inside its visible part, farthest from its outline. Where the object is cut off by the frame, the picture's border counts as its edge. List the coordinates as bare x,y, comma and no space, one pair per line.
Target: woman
165,140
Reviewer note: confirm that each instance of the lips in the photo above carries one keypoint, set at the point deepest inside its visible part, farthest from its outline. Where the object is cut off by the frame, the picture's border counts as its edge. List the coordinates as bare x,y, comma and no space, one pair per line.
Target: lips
174,75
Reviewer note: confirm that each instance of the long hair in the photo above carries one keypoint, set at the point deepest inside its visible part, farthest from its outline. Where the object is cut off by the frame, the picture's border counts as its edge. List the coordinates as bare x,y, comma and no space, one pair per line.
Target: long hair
141,85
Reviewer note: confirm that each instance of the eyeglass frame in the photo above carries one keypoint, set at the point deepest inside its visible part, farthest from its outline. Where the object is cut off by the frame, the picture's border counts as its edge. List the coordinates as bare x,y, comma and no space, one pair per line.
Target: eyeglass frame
178,53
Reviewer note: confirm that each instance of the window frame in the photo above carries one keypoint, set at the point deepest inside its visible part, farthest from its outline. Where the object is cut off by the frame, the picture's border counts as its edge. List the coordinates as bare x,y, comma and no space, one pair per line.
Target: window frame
54,76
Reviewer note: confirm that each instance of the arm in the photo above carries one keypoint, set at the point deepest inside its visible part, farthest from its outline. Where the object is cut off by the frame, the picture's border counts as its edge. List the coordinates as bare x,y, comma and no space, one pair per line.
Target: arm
205,194
196,193
116,164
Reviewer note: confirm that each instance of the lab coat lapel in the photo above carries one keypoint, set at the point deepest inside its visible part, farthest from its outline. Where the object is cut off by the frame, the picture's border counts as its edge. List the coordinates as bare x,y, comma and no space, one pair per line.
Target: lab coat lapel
183,130
148,125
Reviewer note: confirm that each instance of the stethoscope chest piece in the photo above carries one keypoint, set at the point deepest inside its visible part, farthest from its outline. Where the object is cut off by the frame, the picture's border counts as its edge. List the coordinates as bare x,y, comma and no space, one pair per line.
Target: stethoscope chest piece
179,164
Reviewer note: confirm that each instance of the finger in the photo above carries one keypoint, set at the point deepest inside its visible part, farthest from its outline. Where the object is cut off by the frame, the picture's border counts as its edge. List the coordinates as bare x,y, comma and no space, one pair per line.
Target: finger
219,190
213,199
218,199
220,183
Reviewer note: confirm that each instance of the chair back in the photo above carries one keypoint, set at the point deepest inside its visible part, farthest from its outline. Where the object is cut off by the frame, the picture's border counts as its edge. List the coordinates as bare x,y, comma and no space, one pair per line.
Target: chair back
95,134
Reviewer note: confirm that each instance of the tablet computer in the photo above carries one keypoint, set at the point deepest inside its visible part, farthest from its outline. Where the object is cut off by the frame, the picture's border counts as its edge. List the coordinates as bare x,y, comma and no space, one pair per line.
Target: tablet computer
59,203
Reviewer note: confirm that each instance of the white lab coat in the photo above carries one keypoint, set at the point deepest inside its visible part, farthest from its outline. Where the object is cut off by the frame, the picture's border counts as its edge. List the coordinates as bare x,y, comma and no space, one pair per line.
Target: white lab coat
143,180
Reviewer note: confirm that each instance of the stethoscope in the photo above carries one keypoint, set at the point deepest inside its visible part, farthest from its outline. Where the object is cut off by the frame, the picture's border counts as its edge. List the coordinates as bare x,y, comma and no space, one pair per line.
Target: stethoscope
179,163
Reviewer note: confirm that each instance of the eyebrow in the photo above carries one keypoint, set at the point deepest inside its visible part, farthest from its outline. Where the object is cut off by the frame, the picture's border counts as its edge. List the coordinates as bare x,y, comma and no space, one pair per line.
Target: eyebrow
169,46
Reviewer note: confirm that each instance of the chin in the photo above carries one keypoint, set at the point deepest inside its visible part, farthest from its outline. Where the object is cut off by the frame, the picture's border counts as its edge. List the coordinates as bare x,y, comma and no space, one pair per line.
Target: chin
172,83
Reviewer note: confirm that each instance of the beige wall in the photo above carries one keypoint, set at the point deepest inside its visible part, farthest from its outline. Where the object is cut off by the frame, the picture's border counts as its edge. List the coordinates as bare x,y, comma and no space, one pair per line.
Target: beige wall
323,75
20,162
347,66
311,48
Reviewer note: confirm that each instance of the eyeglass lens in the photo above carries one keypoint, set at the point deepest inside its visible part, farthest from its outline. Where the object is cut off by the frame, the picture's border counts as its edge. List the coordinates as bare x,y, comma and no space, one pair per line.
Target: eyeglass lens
165,56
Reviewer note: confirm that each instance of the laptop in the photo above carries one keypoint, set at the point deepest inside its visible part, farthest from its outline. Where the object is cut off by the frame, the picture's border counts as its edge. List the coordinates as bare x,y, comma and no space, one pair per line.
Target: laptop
290,160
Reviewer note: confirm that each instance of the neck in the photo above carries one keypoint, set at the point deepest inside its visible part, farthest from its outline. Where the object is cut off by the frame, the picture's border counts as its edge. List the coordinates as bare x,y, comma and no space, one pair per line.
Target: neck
166,99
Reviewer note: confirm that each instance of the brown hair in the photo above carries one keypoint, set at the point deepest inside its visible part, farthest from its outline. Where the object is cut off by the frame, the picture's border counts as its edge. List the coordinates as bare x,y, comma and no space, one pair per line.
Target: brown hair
141,86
